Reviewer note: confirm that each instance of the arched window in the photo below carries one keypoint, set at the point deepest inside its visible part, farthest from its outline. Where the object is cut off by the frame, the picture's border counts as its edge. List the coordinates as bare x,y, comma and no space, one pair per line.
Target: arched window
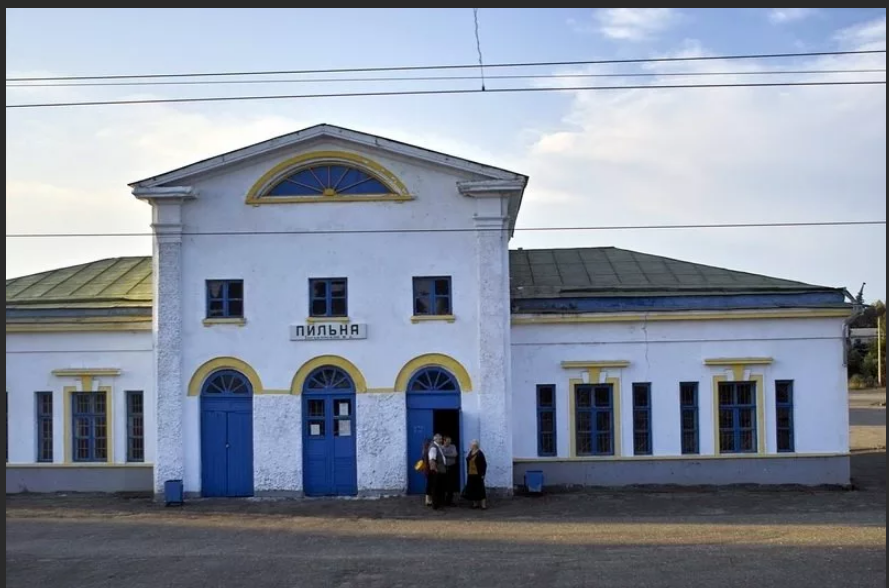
227,383
329,180
328,378
433,379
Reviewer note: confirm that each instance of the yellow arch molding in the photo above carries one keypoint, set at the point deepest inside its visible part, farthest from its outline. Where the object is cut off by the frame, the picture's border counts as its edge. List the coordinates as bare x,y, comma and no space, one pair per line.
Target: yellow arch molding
224,363
299,380
433,360
398,192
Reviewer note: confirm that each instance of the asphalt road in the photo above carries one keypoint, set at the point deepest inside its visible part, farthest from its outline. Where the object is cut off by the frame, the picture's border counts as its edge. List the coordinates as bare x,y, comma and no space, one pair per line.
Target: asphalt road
687,539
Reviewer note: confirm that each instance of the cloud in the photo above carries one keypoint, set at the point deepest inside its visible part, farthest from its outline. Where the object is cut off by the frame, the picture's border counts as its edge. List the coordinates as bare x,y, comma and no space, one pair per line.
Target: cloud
869,35
730,155
786,15
634,24
69,174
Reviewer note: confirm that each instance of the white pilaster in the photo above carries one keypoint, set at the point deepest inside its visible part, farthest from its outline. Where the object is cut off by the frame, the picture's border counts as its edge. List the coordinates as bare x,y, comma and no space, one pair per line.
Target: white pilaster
494,370
170,387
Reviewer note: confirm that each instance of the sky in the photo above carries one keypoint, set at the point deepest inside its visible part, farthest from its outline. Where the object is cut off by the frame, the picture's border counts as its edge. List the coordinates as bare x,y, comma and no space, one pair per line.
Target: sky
595,158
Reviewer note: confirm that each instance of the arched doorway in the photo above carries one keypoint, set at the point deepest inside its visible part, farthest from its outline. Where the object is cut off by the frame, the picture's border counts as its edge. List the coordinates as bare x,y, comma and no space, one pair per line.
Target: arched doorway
433,407
227,435
330,466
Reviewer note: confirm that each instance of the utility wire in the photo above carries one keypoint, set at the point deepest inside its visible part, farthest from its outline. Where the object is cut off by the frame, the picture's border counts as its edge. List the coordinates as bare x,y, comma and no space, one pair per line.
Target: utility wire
460,230
449,78
451,67
478,47
451,92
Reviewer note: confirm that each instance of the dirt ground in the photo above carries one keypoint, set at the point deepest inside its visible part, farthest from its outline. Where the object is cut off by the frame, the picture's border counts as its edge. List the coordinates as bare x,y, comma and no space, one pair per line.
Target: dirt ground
684,538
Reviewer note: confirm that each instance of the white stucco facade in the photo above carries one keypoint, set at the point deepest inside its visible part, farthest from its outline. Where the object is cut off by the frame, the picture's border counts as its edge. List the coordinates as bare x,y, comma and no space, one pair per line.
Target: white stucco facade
807,352
512,323
62,364
379,247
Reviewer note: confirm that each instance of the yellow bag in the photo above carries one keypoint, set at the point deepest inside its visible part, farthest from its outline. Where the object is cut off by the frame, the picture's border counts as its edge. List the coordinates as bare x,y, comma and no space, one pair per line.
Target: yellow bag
420,466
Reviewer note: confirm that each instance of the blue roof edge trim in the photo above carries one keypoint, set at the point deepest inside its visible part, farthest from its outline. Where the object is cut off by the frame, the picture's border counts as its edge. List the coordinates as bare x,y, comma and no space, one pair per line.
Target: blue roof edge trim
814,300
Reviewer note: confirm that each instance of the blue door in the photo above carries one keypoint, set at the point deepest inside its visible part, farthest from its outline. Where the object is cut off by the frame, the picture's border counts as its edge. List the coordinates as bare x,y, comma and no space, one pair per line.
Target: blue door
330,466
419,431
431,393
227,435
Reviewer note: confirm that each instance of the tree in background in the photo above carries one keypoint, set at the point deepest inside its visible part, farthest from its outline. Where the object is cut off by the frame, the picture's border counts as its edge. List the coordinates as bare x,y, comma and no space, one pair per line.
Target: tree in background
867,360
874,363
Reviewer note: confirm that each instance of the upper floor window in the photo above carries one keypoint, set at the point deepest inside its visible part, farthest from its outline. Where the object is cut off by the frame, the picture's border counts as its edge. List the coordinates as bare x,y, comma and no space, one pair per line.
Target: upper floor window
225,299
328,176
432,296
328,297
329,180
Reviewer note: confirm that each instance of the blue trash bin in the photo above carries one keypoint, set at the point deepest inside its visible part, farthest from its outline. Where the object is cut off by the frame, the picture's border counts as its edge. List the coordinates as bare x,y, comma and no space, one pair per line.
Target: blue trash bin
174,493
534,482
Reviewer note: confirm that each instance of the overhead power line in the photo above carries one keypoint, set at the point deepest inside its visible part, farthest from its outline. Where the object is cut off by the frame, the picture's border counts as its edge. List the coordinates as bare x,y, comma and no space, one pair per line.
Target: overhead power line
462,230
448,78
449,67
451,92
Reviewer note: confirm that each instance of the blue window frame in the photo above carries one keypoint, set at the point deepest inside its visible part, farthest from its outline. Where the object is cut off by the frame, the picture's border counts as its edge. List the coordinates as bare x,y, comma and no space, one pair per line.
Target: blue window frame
329,180
690,418
225,298
546,421
432,296
642,442
328,297
90,430
784,416
594,406
135,426
44,427
737,417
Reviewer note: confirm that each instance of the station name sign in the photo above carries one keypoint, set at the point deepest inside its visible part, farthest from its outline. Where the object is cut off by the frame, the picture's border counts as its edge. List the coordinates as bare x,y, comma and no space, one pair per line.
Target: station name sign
328,332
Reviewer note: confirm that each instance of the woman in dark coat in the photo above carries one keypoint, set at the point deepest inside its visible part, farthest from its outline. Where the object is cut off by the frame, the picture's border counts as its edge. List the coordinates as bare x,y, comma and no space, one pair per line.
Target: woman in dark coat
476,470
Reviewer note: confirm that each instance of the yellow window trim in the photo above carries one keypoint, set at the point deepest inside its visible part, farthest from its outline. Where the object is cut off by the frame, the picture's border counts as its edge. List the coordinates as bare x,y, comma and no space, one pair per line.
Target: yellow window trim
432,318
759,381
434,360
257,193
299,380
573,383
328,319
69,392
223,363
237,322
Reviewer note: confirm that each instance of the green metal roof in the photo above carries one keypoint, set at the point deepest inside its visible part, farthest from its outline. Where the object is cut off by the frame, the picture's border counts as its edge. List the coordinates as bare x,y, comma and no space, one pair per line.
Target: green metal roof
122,282
608,271
125,282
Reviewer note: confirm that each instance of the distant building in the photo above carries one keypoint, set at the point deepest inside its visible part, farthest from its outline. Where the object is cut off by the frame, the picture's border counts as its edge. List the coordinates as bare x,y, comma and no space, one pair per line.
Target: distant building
863,336
319,304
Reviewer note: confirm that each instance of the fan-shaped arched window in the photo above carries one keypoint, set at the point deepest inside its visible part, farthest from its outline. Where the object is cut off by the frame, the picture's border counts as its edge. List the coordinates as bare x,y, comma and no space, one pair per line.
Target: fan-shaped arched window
329,180
328,378
227,383
433,379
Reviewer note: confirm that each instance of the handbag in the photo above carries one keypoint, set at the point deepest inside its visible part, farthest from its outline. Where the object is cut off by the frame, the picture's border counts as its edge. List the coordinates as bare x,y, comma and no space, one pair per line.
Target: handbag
420,466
